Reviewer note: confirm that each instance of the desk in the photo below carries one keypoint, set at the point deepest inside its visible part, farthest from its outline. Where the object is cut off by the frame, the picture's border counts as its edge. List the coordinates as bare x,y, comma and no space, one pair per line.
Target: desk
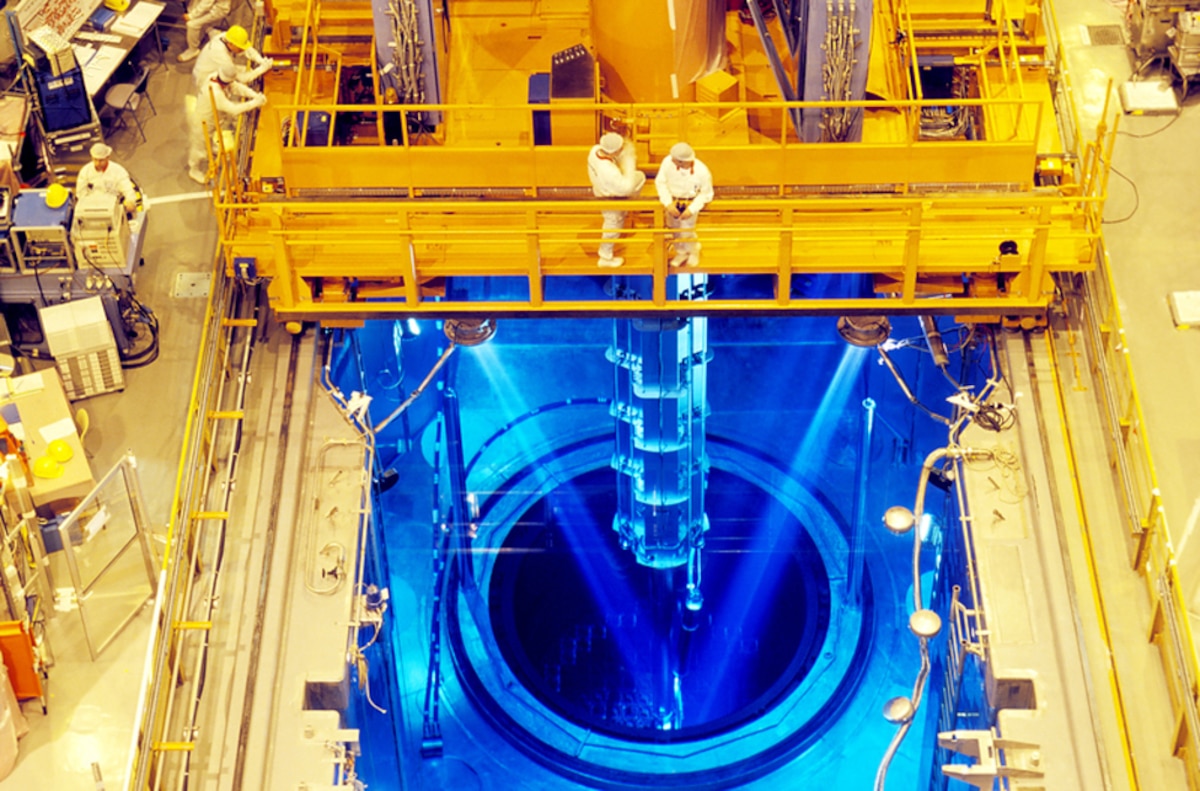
99,54
46,415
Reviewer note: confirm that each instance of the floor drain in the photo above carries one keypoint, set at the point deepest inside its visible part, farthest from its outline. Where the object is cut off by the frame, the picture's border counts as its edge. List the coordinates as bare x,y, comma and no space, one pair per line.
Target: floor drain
1106,35
191,284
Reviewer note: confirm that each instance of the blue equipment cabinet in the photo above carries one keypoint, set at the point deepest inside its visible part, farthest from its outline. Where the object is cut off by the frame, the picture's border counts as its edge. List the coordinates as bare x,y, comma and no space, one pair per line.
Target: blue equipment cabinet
39,234
64,100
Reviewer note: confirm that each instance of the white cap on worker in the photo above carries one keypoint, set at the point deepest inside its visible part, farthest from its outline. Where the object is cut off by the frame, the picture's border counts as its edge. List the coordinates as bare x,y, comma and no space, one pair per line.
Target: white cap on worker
100,151
683,152
226,73
611,143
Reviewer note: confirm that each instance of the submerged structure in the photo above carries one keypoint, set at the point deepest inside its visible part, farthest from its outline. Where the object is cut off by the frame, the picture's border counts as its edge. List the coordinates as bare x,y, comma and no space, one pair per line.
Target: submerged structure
793,517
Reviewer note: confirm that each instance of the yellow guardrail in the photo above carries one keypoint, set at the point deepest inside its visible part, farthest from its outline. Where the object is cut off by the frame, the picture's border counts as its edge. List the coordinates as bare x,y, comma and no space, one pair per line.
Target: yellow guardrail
916,246
1001,119
1148,537
164,728
748,143
1147,534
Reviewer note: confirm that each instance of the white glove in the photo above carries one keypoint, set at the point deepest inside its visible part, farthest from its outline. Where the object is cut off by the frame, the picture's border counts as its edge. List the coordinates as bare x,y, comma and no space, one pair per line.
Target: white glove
262,68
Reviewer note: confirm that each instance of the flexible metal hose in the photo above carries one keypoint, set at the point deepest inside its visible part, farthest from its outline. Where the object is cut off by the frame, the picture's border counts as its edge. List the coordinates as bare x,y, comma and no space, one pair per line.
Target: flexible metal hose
953,452
919,685
415,394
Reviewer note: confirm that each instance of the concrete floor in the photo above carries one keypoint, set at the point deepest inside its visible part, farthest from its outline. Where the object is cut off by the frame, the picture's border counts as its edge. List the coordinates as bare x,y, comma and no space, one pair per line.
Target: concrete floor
91,704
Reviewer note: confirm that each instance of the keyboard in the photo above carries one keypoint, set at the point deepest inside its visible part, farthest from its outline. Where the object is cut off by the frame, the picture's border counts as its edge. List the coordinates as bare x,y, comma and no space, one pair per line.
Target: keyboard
104,38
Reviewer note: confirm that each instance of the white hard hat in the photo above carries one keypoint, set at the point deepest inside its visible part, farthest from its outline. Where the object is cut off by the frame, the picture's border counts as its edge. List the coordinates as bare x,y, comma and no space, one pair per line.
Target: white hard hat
683,152
227,73
100,151
611,143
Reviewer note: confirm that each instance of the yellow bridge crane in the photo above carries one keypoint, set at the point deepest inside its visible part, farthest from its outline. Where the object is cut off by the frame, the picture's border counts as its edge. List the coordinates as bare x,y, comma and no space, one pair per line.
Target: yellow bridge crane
359,210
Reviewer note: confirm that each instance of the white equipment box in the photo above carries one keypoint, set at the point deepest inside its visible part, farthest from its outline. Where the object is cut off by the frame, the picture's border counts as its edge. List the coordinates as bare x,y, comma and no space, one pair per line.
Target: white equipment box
84,349
100,231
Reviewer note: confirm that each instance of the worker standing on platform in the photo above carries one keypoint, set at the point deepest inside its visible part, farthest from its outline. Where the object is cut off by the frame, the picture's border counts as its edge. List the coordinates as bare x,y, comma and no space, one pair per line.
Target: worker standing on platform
684,187
104,176
219,90
200,16
612,168
225,48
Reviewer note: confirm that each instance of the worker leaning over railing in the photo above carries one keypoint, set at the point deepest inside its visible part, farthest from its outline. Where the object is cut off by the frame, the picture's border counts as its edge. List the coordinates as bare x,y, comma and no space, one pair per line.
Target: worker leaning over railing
216,95
684,186
231,47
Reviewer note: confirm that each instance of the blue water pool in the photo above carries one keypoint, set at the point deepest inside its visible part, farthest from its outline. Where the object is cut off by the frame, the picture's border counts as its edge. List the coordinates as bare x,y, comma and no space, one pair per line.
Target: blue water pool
527,648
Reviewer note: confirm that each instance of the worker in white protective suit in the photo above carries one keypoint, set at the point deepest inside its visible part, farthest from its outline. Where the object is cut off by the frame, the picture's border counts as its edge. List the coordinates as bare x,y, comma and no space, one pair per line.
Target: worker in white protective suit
231,47
684,187
104,176
201,15
219,90
612,168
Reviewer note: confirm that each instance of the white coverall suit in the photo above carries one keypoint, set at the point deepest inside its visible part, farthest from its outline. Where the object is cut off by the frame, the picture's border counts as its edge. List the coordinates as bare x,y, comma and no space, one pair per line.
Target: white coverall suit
215,54
113,181
203,14
614,179
227,109
678,187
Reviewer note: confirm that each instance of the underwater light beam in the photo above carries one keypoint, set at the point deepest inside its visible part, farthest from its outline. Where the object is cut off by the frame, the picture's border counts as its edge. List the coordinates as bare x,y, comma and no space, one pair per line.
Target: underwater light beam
756,580
833,404
512,403
608,589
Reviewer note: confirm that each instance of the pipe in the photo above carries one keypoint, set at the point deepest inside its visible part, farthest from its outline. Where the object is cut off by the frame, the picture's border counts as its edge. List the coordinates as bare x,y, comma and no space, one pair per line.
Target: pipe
933,337
918,692
919,684
415,394
858,528
937,347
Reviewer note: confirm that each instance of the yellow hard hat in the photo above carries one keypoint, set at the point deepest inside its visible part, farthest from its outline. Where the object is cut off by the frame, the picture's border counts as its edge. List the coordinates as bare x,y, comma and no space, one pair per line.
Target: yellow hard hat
56,195
46,467
60,451
237,36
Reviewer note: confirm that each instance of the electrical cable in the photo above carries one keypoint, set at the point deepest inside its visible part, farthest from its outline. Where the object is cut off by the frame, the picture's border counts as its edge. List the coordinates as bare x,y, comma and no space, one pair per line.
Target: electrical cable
37,275
837,70
1137,199
133,313
918,341
994,417
1160,130
360,661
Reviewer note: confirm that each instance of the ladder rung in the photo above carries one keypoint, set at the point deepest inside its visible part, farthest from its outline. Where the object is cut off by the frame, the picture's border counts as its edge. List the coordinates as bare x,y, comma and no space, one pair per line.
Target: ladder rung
185,747
239,322
193,624
229,414
210,514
